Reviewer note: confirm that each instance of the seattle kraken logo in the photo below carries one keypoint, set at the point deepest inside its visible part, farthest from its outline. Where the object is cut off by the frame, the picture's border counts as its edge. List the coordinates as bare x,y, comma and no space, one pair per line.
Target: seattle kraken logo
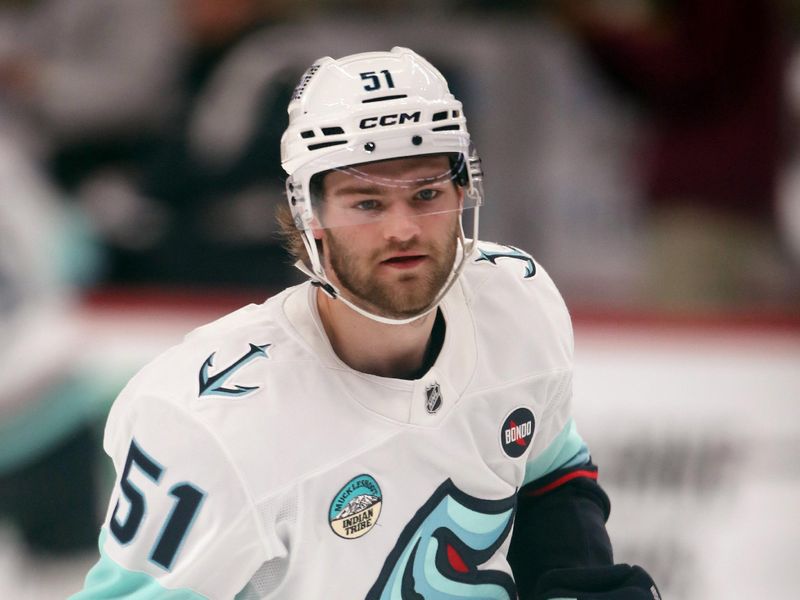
509,252
438,553
214,385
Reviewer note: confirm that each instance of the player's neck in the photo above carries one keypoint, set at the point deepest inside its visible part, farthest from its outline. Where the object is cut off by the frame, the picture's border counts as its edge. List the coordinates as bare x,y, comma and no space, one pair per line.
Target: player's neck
399,351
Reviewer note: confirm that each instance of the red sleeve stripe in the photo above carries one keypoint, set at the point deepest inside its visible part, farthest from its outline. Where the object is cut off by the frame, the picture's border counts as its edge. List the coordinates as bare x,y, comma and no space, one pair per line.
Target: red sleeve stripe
562,480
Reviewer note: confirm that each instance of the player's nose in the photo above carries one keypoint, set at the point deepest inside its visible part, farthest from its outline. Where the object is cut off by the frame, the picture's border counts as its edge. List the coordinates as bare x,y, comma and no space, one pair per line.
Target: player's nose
402,223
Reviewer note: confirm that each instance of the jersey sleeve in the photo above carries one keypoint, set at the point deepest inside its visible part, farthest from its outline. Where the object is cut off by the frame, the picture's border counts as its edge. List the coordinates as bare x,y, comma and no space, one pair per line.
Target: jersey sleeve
526,333
561,509
559,445
180,524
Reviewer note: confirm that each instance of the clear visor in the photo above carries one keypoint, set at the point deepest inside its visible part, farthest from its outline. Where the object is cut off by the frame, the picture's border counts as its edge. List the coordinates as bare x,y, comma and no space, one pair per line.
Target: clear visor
400,188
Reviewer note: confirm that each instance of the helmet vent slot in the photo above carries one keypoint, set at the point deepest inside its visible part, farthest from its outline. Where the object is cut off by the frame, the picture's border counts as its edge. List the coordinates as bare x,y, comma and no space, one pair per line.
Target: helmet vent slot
447,128
306,134
326,144
382,98
332,130
440,116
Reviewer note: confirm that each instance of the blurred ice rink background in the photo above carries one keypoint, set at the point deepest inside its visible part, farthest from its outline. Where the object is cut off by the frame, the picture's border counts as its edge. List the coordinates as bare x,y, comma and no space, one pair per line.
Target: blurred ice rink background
647,152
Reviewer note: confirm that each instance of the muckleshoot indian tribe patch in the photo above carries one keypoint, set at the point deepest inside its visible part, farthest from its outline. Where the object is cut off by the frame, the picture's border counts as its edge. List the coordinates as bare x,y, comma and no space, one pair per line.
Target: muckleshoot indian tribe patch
356,507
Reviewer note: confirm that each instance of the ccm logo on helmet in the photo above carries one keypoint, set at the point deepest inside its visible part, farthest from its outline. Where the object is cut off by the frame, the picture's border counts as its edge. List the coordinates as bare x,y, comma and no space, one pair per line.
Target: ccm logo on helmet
383,121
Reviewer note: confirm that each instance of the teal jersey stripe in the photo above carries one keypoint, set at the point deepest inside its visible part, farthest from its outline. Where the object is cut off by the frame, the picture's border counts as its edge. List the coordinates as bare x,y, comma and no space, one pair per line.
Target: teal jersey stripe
567,450
109,580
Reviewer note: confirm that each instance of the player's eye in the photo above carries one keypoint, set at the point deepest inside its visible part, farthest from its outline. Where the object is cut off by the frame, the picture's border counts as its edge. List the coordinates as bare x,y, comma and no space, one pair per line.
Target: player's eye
367,205
427,194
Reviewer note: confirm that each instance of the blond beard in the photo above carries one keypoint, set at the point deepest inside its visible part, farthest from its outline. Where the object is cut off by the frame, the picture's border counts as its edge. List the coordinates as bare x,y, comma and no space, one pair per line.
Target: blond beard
392,300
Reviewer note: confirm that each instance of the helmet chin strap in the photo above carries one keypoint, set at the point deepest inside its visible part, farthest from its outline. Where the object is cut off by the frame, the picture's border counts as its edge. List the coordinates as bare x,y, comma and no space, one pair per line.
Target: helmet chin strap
319,279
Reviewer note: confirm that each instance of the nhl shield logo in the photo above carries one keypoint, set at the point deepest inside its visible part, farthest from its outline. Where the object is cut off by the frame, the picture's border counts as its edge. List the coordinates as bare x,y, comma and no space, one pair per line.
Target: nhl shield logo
433,398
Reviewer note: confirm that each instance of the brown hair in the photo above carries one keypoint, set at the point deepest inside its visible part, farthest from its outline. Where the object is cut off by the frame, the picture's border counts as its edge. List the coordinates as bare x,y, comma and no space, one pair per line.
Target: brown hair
291,236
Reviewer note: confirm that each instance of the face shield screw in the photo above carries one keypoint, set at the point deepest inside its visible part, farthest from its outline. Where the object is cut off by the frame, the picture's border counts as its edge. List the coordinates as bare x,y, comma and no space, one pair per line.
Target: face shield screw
369,146
416,140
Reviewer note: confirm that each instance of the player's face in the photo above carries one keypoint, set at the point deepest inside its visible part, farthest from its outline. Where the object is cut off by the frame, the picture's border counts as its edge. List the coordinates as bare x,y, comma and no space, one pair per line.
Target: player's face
401,250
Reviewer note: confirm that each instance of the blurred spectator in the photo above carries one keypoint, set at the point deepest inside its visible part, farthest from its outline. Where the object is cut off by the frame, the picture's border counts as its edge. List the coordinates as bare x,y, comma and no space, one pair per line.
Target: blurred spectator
709,73
213,176
49,407
89,78
86,86
163,118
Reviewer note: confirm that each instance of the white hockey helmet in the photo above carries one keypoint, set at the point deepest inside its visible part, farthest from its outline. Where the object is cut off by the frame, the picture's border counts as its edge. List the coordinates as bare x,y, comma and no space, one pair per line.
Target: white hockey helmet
370,107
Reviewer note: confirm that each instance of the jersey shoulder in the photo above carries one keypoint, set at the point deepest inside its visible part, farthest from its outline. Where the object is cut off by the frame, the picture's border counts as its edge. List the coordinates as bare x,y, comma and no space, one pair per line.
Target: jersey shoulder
215,366
205,361
522,323
178,421
512,269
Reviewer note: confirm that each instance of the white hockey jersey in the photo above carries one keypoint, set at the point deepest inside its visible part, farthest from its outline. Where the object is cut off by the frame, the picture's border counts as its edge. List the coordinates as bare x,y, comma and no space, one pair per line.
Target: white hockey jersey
253,463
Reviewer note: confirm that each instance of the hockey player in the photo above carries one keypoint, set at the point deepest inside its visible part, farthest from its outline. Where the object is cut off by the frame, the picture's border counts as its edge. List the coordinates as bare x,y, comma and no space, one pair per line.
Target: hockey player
397,427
